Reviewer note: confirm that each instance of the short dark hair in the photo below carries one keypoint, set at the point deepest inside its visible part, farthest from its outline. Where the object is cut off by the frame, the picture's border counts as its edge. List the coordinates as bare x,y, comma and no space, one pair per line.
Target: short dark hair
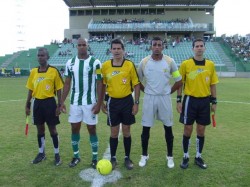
156,38
198,40
43,49
117,41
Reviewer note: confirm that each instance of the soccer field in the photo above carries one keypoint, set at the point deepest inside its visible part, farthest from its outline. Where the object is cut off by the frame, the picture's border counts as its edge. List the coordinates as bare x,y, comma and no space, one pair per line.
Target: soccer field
226,150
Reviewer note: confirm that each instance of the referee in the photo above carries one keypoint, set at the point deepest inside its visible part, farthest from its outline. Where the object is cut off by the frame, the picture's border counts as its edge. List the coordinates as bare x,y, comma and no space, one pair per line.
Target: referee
199,87
120,78
44,83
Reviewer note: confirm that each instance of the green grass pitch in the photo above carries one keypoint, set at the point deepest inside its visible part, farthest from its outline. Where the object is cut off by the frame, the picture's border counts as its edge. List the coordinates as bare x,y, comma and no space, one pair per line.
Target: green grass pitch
226,150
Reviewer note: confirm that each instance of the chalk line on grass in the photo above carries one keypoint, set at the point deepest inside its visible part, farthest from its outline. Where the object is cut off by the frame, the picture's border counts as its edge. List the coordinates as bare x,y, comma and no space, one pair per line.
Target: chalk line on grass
96,179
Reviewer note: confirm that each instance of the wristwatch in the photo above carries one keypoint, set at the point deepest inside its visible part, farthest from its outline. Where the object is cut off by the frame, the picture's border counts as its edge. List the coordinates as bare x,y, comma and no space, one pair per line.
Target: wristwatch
137,102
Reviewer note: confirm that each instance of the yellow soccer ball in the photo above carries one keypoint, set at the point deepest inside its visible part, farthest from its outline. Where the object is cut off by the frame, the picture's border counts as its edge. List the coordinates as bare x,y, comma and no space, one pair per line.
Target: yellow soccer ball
104,167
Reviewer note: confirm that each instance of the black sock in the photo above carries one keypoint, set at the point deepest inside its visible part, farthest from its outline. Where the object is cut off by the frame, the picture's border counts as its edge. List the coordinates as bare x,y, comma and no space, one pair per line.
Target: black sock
185,143
127,145
55,141
200,143
41,142
113,146
169,139
144,140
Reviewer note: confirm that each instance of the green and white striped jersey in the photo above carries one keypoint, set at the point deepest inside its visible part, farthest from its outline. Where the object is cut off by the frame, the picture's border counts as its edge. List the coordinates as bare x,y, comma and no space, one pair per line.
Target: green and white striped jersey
83,74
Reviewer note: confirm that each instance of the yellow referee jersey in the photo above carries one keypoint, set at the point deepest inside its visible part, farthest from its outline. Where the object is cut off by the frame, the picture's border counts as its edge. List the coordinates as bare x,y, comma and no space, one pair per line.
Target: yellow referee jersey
44,84
120,80
198,78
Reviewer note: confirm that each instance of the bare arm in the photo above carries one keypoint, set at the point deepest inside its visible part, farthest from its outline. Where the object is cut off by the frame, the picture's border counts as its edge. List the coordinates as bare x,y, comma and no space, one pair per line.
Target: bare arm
28,103
142,87
213,94
59,96
176,86
137,97
96,108
104,107
179,94
100,93
65,93
213,90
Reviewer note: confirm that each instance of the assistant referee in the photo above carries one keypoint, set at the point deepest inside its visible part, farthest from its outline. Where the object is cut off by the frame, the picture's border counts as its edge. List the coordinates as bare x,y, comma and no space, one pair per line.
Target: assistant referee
44,83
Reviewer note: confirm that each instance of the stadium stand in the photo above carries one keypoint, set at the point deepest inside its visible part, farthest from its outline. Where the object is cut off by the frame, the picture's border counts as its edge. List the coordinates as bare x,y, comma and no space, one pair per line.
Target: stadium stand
180,52
239,50
178,22
25,60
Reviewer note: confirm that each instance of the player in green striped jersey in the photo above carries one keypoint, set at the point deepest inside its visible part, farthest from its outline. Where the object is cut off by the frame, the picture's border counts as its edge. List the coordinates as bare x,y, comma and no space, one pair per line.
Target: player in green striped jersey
84,80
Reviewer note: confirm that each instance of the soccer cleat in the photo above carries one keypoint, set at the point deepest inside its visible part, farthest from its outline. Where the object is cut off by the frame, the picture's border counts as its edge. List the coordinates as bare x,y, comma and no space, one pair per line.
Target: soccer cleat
199,162
143,160
74,162
184,163
93,164
170,160
57,159
128,163
39,158
113,162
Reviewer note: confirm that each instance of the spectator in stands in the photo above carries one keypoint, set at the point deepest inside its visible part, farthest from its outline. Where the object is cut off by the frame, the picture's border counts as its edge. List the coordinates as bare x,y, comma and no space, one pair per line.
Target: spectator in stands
130,54
69,52
44,83
156,71
83,72
62,71
196,103
173,43
147,48
120,78
245,59
107,51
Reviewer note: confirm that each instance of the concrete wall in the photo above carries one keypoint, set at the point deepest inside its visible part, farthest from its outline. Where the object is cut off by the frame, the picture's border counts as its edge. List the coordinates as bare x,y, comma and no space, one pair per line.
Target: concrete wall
79,24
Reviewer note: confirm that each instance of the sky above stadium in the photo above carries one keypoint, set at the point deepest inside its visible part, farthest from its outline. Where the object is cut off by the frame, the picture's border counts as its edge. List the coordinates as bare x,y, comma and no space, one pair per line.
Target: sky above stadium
30,23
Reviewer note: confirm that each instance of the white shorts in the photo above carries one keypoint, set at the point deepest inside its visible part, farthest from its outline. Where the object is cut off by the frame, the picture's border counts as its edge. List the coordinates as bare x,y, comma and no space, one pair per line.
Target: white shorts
157,107
83,114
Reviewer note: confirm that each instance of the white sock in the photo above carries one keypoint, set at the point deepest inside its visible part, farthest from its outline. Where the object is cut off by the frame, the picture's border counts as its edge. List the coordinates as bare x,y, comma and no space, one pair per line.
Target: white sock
198,154
186,155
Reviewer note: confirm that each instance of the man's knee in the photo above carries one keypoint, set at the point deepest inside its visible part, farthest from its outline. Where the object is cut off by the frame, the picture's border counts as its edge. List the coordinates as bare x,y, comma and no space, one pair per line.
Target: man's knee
188,130
126,130
92,129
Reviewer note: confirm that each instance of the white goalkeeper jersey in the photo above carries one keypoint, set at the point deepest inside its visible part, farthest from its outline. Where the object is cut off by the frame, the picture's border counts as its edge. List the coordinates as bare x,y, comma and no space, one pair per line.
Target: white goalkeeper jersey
84,73
157,75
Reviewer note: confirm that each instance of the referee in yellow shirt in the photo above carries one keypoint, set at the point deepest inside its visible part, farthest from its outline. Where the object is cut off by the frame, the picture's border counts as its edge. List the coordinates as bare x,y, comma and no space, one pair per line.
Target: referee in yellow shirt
199,87
120,79
44,83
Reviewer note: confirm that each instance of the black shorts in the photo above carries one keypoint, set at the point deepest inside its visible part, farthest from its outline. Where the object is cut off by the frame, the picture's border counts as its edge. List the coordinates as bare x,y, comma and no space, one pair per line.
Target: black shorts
195,110
120,111
44,110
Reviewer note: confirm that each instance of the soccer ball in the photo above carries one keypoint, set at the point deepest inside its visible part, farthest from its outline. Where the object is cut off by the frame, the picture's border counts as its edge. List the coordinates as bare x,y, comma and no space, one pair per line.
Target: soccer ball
104,167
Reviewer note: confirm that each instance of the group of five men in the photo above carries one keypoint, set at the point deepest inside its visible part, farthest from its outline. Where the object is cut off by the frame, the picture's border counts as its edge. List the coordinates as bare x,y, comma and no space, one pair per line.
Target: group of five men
118,82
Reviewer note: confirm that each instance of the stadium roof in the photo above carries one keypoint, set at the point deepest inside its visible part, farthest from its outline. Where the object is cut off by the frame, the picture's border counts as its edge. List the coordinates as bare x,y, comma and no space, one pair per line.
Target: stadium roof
107,3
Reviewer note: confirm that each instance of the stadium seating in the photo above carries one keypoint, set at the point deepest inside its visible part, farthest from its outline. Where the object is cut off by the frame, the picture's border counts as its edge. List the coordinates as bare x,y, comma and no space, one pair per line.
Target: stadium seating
179,53
146,26
26,59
